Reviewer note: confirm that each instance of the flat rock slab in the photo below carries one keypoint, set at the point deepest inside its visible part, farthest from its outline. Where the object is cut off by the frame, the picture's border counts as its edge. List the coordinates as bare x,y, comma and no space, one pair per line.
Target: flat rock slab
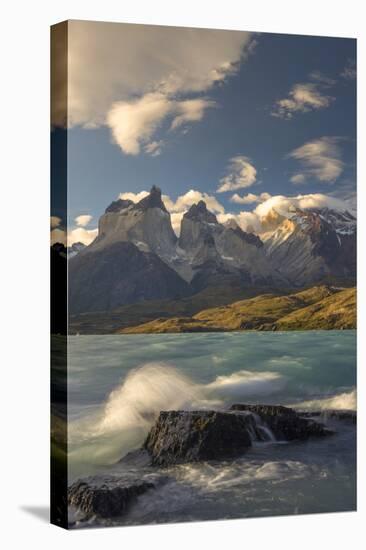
106,496
191,436
285,423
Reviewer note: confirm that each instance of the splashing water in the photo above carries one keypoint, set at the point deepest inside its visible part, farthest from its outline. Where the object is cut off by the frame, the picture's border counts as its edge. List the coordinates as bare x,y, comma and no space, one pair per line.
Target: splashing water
123,422
341,401
144,393
113,404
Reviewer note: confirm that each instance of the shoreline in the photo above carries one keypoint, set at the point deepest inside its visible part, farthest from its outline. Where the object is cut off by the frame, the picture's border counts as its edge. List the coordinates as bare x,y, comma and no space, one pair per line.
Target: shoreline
134,475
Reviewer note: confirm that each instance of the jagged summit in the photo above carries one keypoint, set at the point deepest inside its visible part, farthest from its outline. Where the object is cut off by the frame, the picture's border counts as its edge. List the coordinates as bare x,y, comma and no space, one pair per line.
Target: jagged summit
271,220
231,224
293,249
153,200
196,225
344,222
248,237
199,212
118,205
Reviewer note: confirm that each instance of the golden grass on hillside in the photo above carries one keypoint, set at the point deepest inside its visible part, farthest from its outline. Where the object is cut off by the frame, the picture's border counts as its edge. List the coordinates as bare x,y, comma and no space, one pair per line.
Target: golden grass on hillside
334,312
320,307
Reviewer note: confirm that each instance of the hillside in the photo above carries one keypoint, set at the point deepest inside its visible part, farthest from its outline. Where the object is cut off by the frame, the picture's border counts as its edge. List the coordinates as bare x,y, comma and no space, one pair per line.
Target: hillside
107,322
137,269
320,307
334,312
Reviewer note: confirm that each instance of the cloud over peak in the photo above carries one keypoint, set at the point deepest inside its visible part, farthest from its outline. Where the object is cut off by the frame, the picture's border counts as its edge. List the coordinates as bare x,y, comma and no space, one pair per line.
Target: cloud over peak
178,207
247,220
250,198
283,204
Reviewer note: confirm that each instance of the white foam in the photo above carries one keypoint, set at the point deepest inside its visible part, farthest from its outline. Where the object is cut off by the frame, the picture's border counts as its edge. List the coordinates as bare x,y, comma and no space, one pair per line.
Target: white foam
122,423
341,401
246,384
144,393
241,472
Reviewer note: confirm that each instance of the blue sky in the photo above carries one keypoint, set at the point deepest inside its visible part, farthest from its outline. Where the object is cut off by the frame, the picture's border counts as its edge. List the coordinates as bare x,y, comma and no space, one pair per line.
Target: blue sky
277,117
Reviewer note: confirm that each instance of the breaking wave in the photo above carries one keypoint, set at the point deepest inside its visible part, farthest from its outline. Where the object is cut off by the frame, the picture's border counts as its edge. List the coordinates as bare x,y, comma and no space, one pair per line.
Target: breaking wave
247,384
122,423
341,401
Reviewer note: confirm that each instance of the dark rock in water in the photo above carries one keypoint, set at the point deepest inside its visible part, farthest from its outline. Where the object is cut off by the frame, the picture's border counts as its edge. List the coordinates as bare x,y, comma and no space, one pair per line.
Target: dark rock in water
105,496
331,414
268,410
284,422
191,436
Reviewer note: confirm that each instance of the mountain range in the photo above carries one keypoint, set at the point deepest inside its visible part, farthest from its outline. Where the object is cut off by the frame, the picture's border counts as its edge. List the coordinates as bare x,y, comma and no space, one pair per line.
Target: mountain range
138,258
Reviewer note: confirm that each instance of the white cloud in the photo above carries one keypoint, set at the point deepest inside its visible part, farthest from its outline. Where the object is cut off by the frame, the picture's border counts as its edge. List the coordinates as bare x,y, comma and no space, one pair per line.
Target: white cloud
154,148
184,202
176,218
55,221
252,221
349,72
76,235
58,236
241,173
283,204
301,98
320,159
81,235
134,197
178,207
250,198
322,78
83,220
134,123
131,77
298,178
110,62
248,221
190,110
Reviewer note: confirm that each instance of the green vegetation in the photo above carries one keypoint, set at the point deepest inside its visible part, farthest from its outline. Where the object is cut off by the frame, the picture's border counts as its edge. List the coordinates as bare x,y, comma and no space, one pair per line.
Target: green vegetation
320,307
108,322
334,312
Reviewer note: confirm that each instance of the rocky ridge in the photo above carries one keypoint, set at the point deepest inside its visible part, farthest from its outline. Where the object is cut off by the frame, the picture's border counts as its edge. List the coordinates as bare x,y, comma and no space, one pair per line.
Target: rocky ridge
305,247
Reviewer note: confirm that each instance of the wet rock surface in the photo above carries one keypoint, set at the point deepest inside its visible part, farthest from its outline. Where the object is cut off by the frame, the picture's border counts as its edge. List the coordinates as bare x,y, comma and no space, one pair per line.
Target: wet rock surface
180,437
191,436
284,422
106,496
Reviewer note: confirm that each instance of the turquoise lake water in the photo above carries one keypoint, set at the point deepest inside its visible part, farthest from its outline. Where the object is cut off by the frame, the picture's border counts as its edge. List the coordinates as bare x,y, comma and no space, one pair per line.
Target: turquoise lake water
118,384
